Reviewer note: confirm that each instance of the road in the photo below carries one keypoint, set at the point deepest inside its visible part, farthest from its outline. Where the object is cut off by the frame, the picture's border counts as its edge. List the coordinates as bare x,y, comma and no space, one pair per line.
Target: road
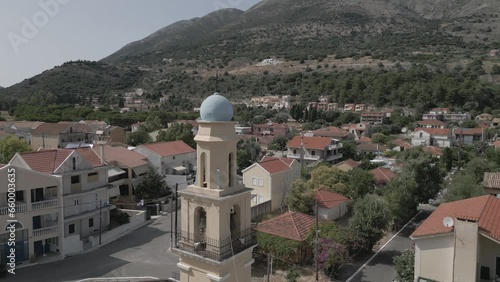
381,268
143,252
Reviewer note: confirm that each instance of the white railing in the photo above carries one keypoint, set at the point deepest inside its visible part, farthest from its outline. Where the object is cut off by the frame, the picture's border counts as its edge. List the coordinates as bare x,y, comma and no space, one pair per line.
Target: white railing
44,204
336,146
19,208
306,157
45,231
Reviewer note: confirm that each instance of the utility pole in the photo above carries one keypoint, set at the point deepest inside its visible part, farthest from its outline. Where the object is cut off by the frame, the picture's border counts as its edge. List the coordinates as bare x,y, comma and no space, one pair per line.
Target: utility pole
317,242
100,221
268,263
176,199
171,222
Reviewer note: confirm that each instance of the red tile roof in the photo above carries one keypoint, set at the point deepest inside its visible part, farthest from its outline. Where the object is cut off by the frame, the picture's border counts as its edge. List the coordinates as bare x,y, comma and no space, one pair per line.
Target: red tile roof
435,131
57,128
365,139
274,165
122,156
436,151
291,225
484,209
401,143
46,161
172,148
491,180
285,160
329,200
316,143
350,162
382,175
431,122
468,131
331,131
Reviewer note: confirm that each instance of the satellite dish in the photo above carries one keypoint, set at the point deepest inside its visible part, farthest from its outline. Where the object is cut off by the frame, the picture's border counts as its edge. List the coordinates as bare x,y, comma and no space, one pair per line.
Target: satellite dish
448,222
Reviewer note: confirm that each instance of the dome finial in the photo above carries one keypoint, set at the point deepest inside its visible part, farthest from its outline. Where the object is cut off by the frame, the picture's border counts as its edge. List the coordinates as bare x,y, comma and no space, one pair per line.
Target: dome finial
216,108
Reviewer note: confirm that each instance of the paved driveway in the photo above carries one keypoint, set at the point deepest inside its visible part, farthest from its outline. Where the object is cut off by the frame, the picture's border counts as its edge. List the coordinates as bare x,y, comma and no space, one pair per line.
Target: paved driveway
381,268
144,252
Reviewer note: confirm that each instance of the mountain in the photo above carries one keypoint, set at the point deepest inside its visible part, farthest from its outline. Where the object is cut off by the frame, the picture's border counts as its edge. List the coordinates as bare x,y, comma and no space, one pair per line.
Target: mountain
179,32
438,33
74,81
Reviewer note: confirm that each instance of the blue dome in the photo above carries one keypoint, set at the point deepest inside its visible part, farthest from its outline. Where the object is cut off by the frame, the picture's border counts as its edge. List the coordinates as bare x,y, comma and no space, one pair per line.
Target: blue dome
216,108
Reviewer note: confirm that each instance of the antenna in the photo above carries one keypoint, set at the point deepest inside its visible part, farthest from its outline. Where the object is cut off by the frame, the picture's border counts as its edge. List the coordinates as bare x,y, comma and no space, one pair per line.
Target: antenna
448,222
217,82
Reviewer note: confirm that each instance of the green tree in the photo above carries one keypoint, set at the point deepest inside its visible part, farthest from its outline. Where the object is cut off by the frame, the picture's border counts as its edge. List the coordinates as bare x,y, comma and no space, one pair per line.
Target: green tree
301,197
151,124
360,183
495,70
379,138
369,221
138,138
153,186
177,131
468,123
400,194
329,178
447,159
279,143
428,178
463,186
249,152
405,265
10,146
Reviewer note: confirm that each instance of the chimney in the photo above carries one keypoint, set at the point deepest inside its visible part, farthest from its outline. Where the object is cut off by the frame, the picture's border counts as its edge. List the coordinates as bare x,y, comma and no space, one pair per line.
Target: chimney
103,161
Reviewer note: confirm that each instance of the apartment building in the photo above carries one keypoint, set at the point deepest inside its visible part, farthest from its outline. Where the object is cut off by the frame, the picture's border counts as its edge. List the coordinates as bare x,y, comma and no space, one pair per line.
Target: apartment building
38,211
85,195
313,150
59,135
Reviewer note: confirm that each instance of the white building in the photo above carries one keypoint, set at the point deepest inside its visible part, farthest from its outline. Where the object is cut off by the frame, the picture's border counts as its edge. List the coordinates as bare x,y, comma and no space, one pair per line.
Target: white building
175,160
85,191
439,137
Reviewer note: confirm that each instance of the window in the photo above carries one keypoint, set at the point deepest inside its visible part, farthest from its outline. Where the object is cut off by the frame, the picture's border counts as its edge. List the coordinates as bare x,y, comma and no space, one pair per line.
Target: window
255,181
91,222
261,182
313,153
173,157
92,177
77,202
74,163
420,135
295,152
75,179
71,228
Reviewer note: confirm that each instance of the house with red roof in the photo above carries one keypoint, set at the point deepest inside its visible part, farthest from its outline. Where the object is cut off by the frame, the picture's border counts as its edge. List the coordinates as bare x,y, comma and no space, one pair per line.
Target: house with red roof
272,129
84,181
439,137
431,123
400,145
313,150
125,167
271,179
347,165
459,241
293,226
330,205
175,160
469,136
382,175
59,135
38,214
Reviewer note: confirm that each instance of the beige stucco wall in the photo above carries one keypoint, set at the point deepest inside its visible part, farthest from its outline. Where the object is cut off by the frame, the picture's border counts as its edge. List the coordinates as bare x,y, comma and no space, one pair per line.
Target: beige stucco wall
259,173
488,251
47,141
466,245
434,257
333,213
26,180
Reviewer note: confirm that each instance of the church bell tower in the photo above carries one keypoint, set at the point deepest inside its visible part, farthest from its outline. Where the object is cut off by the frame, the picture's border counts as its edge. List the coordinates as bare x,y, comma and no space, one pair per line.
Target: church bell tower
215,240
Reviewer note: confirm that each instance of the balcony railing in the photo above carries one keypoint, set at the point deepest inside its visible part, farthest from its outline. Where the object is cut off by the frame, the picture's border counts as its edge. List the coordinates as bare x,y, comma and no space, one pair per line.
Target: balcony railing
44,204
336,146
215,249
306,156
19,208
45,231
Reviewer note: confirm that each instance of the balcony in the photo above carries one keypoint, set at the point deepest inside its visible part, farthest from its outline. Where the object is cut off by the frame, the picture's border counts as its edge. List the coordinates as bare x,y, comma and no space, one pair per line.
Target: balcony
46,231
306,157
20,207
331,158
45,204
335,146
215,249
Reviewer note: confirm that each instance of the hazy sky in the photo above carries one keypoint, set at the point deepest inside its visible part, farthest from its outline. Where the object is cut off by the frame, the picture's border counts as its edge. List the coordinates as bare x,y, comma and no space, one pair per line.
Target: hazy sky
36,35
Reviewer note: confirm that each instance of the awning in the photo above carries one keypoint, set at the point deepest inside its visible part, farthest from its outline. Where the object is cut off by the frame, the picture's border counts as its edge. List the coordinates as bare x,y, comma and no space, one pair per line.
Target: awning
140,170
180,168
115,171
